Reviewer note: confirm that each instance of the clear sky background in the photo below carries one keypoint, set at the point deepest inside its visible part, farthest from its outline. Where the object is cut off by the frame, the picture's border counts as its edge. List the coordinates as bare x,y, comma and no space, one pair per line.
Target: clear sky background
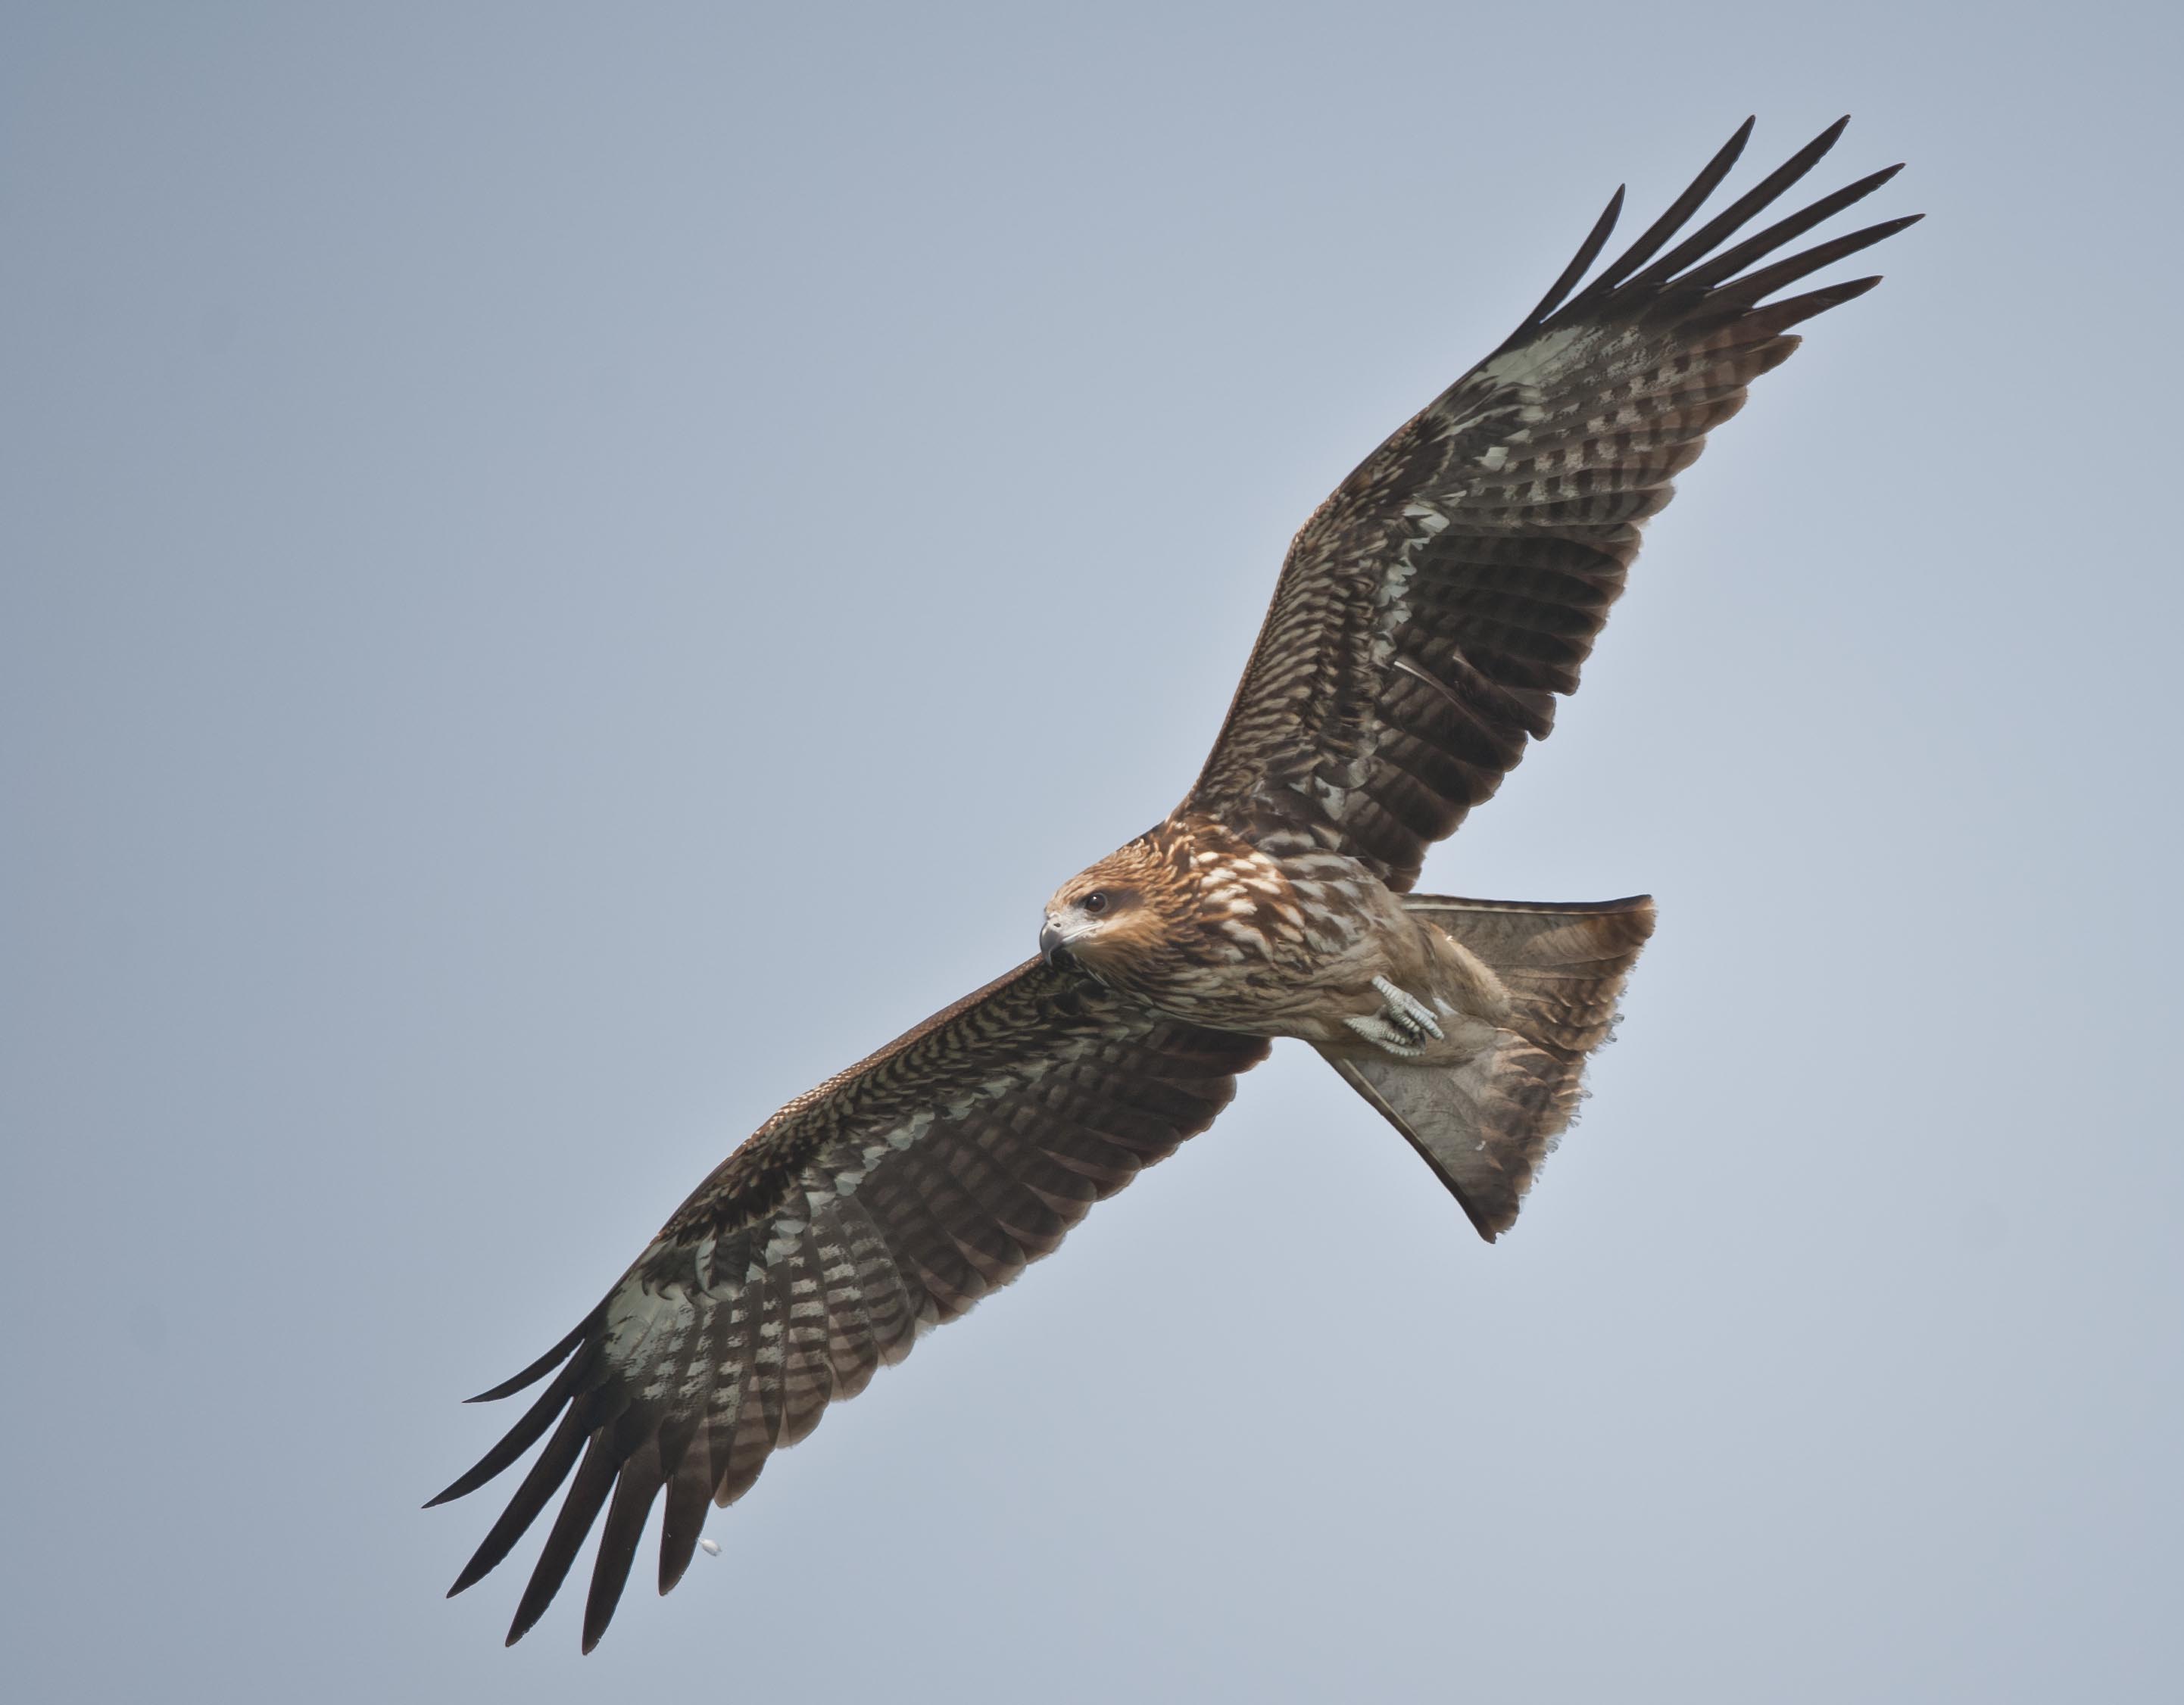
569,571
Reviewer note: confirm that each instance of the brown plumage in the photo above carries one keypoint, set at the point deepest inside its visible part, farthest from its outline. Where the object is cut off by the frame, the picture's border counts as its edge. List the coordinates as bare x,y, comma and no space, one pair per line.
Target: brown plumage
1428,617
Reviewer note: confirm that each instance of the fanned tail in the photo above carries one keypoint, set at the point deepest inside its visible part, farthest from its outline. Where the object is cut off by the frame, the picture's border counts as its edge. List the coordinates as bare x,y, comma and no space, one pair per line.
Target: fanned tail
1485,1126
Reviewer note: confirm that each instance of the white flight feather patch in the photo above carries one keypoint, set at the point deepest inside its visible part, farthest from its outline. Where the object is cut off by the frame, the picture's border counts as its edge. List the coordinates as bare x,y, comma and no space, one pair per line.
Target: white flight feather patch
635,1314
1533,357
787,1233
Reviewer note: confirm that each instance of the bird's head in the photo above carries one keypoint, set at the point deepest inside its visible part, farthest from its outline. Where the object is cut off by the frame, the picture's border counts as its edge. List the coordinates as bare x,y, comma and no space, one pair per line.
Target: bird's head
1113,917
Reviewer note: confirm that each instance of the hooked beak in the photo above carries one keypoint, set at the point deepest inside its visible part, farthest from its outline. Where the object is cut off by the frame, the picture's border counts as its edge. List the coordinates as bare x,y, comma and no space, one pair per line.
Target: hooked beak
1053,946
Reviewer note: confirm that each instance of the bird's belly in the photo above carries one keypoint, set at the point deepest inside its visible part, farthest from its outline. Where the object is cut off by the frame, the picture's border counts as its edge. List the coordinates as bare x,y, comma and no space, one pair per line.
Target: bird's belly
1319,996
1305,998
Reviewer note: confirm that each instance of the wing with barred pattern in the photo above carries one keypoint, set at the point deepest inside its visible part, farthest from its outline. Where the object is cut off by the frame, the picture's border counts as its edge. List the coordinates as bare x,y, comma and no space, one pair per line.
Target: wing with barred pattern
886,1200
1432,610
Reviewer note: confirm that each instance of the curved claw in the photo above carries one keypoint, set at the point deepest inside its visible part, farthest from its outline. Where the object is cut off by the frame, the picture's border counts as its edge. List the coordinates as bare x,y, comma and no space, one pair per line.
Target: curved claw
1383,1034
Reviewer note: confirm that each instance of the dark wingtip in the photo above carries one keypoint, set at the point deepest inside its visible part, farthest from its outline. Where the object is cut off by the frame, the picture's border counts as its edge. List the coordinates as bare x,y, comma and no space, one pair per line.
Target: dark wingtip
508,1388
1803,308
469,1481
1733,149
471,1576
580,1507
547,1363
1673,218
1587,252
520,1438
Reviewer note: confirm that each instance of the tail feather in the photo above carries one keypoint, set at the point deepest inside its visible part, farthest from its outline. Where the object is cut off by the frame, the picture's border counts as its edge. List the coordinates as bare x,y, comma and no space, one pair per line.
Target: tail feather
1485,1126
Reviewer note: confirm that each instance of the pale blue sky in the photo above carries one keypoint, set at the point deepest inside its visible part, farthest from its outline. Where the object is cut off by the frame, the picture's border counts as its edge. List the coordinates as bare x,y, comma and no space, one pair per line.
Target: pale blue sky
569,571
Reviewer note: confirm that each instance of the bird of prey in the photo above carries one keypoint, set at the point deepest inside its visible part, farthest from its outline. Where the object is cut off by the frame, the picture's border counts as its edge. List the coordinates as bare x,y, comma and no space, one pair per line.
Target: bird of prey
1427,619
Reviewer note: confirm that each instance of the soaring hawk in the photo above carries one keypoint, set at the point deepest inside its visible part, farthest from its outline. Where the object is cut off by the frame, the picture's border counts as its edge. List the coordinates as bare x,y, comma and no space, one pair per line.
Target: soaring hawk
1427,619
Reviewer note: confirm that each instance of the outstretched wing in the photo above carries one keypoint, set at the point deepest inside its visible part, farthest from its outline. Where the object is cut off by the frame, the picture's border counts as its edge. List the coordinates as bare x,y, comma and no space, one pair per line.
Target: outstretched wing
1432,609
884,1201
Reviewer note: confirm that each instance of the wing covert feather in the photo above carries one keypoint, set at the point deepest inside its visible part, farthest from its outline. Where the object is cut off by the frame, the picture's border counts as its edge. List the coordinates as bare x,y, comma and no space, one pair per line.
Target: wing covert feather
1431,612
887,1200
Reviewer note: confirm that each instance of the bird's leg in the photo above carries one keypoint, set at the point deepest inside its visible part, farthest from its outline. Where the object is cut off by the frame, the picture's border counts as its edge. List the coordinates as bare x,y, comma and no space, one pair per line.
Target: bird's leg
1407,1009
1401,1027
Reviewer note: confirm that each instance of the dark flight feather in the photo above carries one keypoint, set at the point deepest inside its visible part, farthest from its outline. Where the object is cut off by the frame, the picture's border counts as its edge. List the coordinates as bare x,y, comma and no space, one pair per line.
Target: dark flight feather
1429,612
1669,223
888,1200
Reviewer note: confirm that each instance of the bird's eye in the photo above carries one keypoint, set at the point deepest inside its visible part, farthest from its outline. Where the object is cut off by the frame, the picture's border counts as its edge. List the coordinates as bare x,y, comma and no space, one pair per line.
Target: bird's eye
1094,903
